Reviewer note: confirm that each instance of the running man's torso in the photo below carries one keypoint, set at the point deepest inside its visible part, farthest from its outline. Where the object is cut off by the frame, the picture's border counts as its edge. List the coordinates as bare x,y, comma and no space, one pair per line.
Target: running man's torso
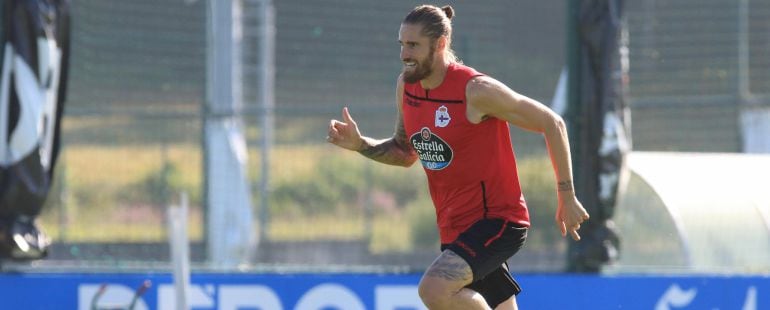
471,168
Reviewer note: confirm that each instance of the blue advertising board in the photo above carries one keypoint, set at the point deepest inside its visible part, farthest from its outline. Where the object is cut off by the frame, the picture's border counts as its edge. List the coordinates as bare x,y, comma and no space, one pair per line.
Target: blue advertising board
231,291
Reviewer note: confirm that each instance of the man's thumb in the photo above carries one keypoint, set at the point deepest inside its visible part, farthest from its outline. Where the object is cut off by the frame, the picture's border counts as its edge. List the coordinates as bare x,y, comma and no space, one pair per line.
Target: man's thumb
346,116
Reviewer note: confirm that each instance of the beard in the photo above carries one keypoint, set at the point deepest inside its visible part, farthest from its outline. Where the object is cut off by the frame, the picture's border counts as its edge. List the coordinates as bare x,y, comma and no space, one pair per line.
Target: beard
422,70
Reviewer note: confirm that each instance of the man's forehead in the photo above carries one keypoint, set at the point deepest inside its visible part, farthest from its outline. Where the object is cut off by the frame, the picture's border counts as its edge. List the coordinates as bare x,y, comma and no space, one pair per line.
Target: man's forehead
411,32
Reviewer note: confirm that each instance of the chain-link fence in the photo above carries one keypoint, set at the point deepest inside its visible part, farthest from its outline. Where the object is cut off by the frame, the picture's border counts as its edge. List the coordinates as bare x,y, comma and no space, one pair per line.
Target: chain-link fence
132,127
694,66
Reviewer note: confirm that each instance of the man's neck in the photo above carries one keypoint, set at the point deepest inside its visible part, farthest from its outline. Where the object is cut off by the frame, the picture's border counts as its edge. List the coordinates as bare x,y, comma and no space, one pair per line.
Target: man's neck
437,76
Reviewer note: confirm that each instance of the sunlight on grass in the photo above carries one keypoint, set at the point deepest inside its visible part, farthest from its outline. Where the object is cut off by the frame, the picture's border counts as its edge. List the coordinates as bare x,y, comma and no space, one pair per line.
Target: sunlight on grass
390,234
108,196
122,165
119,224
325,227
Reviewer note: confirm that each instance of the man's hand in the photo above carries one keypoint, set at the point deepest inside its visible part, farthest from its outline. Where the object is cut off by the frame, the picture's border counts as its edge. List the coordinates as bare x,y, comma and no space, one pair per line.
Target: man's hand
570,215
345,134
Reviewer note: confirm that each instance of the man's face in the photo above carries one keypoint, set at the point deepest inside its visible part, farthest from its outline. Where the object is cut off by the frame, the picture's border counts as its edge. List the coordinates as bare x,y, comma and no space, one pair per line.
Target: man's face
417,53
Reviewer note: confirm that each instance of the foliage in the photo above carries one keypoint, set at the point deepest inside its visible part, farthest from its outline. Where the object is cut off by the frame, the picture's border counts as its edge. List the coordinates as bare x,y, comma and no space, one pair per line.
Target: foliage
333,194
159,185
332,184
406,185
539,188
421,216
339,183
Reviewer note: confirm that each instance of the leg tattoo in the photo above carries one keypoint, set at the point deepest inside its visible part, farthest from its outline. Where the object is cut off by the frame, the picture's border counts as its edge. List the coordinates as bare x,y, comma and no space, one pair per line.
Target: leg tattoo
451,267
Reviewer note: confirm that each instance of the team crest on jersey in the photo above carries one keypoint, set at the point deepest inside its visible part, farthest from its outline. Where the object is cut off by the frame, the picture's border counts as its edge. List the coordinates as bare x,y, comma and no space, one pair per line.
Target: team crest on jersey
434,152
442,117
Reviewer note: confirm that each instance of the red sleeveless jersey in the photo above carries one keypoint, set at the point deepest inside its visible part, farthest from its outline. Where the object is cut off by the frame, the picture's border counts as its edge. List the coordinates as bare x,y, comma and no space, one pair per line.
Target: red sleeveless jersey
471,168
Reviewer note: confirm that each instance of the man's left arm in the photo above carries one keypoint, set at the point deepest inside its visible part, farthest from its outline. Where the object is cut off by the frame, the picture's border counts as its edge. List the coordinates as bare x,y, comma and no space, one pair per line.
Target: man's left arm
488,97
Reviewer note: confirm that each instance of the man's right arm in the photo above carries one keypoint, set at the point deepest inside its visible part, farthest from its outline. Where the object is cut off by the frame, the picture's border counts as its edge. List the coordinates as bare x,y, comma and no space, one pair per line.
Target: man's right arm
393,151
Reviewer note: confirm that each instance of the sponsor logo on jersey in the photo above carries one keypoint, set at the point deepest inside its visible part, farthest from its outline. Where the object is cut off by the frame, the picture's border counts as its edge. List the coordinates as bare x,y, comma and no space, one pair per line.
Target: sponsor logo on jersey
434,153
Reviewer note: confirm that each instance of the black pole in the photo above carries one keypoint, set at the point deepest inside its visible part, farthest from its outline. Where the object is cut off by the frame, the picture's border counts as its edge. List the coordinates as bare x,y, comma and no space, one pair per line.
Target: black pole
596,94
573,84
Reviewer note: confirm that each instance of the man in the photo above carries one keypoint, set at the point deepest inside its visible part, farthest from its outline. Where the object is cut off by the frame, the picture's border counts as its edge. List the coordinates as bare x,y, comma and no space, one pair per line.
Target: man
455,120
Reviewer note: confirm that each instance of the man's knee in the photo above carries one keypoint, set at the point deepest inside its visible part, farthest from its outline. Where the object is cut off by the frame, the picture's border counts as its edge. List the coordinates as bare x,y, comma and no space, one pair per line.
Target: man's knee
443,280
509,304
434,292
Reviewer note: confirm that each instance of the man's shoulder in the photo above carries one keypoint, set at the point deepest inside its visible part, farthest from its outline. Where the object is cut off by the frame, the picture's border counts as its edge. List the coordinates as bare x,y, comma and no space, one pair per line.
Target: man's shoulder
481,86
461,70
480,82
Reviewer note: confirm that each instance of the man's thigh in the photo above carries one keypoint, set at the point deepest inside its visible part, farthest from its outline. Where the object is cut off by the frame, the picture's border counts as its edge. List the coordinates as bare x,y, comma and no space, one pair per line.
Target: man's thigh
450,271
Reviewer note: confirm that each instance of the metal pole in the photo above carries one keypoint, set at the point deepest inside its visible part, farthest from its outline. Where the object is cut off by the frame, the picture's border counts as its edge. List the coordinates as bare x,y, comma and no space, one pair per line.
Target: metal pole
180,250
743,81
230,234
573,84
267,85
574,108
5,82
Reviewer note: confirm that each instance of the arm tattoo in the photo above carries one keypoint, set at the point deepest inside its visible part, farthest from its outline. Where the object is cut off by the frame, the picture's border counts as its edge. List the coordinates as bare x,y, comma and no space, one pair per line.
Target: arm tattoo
393,151
451,267
565,186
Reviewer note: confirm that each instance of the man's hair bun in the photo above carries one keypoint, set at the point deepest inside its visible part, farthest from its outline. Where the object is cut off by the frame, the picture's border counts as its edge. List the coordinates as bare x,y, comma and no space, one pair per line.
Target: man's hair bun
449,11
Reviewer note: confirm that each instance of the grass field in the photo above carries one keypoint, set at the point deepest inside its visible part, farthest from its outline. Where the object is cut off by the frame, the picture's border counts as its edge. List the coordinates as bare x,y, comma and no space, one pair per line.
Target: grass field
109,193
115,187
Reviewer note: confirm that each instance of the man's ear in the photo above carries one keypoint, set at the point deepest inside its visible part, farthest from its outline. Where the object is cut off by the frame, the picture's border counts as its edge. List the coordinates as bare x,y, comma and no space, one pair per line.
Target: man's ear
441,44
